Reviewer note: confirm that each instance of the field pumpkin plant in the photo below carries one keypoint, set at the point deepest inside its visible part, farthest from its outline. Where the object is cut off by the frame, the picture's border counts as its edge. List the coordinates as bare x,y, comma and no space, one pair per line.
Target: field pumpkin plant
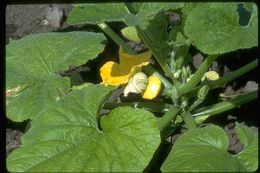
68,132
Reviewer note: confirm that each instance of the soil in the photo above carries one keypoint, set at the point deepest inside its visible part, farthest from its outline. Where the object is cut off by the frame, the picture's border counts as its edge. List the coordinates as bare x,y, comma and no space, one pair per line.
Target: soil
22,20
13,140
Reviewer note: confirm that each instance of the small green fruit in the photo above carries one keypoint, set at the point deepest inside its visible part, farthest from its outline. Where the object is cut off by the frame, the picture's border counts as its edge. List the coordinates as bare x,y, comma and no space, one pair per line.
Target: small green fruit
131,34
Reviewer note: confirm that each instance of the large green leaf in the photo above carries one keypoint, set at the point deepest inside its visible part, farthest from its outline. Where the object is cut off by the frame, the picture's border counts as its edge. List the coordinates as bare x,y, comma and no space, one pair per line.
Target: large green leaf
107,12
67,137
215,27
31,64
249,156
97,13
37,98
148,11
157,39
202,150
134,7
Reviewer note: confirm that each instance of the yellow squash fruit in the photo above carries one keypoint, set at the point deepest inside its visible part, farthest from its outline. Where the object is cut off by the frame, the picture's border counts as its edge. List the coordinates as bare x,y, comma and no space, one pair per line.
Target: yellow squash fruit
153,88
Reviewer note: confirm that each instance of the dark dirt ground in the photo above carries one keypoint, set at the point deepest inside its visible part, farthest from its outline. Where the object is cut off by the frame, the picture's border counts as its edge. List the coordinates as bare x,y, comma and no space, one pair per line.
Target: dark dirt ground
22,20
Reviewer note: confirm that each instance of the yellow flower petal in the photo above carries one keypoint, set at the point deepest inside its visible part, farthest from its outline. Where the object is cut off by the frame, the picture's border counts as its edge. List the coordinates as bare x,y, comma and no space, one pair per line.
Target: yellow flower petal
116,74
128,60
112,74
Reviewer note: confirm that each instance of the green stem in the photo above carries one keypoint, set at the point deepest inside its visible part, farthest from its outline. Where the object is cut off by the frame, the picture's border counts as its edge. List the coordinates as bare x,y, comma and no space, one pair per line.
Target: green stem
233,75
226,105
118,40
196,78
195,104
189,121
169,130
230,77
168,117
150,106
151,71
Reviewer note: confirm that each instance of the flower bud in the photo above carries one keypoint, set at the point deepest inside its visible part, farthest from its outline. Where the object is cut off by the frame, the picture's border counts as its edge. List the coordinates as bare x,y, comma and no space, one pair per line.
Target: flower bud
175,92
203,92
184,74
210,75
184,104
188,71
137,84
177,74
188,79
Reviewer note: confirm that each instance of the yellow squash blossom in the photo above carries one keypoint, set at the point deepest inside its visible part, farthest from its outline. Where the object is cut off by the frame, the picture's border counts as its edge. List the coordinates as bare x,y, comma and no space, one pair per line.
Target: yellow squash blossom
116,74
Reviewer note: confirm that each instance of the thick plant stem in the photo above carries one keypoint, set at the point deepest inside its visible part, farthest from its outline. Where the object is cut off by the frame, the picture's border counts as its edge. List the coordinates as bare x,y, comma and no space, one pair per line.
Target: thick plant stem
195,104
233,75
189,121
118,40
168,117
226,105
195,79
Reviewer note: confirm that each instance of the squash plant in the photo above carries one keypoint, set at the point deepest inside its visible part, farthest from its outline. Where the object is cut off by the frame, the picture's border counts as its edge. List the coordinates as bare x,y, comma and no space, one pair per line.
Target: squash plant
67,132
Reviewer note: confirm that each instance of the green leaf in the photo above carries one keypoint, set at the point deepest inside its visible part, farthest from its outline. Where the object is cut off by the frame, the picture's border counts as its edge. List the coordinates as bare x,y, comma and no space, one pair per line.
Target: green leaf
37,98
149,11
157,31
215,28
162,43
78,87
202,150
97,13
157,36
67,137
249,156
31,64
134,7
245,134
107,12
181,50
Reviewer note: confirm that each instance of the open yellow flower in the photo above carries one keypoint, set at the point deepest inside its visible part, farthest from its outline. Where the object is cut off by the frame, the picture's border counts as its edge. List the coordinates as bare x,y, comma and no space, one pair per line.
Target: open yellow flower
116,74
